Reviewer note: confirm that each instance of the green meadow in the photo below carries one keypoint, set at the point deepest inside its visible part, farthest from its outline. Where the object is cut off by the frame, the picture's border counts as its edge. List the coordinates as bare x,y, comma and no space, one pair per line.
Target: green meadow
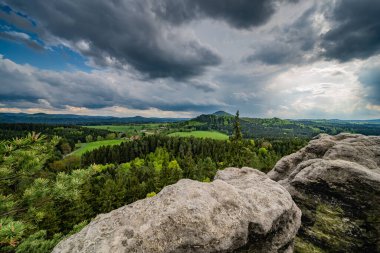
202,134
84,147
131,129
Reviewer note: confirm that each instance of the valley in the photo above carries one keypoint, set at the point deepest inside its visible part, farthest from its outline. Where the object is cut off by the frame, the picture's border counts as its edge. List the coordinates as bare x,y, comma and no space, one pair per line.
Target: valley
190,126
67,174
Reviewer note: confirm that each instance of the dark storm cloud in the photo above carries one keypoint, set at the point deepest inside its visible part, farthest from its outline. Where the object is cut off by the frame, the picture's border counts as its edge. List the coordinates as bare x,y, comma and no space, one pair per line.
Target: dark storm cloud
370,78
21,84
290,43
274,54
203,85
355,30
187,105
354,34
15,85
141,33
237,13
75,89
118,33
24,86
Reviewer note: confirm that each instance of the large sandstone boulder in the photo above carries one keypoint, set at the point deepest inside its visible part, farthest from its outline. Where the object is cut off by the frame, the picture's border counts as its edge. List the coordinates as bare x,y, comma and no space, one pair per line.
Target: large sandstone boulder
335,180
242,210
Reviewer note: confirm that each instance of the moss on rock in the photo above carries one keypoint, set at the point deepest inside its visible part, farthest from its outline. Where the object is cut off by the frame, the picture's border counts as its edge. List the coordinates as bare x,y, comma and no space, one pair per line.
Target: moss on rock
333,229
335,181
302,246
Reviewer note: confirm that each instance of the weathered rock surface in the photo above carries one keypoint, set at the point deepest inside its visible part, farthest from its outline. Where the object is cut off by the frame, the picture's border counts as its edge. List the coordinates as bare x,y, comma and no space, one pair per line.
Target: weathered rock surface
335,180
242,210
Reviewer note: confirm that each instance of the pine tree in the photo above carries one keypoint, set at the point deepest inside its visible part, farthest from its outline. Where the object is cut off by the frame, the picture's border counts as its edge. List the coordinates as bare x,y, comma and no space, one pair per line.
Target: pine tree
237,135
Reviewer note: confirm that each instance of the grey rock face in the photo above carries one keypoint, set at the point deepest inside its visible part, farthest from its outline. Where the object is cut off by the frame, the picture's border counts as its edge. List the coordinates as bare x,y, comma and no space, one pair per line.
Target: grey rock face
335,180
242,210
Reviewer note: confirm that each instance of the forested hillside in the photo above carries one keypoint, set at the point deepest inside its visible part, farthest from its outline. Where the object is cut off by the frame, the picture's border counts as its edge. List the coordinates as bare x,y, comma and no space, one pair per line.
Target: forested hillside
69,135
45,197
72,119
274,128
48,193
257,128
261,154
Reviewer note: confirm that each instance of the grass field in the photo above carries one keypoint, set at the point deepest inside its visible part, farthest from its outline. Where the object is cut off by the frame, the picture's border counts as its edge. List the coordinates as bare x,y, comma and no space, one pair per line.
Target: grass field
131,128
121,128
84,147
202,134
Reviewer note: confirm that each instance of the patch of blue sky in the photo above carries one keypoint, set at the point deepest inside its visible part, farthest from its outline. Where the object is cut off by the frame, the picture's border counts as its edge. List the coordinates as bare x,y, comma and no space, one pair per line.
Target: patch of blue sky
9,10
58,58
7,27
5,8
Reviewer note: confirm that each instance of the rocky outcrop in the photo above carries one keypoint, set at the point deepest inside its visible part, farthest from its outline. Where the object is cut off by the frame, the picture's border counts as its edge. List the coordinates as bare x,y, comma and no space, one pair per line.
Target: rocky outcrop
242,210
335,180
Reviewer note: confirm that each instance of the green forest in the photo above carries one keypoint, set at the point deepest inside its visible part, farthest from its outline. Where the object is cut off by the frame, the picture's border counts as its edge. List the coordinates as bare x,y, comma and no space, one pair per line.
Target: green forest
55,179
47,194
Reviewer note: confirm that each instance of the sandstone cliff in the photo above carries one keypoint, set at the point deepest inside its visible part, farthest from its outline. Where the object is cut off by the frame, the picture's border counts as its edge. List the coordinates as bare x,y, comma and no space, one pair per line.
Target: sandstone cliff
242,210
335,180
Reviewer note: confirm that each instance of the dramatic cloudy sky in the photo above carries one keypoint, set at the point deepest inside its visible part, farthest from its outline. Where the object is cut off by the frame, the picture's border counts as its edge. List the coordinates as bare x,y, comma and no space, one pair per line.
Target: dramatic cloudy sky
180,58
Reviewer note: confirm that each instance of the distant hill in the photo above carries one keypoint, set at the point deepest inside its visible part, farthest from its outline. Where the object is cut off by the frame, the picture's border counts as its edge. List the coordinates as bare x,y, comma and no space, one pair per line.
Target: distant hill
71,119
339,121
222,113
273,128
219,121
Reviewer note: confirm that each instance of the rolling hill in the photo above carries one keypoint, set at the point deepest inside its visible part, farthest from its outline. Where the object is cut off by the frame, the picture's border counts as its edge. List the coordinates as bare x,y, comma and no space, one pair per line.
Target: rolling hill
273,128
71,119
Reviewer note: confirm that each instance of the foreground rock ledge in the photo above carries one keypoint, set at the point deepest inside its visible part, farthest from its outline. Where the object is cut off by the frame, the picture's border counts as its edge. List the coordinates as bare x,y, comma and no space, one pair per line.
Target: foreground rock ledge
335,180
242,210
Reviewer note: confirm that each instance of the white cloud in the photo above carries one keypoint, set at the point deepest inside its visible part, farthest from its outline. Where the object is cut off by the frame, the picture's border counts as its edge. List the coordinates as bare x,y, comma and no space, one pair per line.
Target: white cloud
100,91
326,88
302,86
83,45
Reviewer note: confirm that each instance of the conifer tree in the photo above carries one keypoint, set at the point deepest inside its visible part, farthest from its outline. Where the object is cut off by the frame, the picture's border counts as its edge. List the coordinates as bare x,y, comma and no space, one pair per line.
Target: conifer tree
237,135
